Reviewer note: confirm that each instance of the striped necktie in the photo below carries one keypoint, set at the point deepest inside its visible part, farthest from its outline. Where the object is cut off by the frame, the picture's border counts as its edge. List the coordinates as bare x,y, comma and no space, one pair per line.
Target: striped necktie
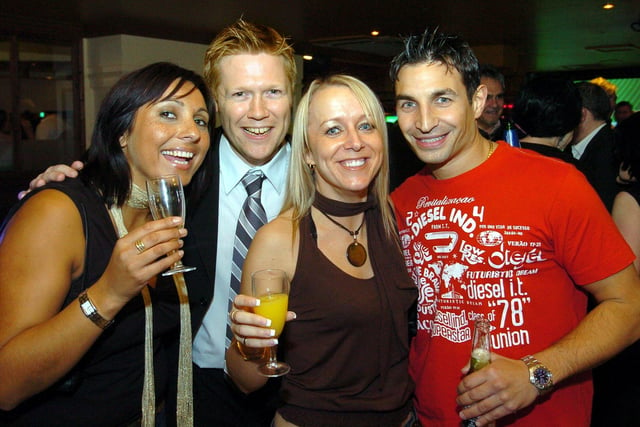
251,218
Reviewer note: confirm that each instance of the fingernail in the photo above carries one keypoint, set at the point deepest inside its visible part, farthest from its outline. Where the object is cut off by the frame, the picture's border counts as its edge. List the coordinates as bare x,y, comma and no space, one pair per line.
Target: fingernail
275,341
267,323
176,220
183,232
257,302
272,332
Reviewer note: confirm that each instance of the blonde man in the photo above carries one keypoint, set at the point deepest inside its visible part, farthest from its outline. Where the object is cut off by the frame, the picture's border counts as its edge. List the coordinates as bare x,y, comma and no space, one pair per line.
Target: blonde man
251,72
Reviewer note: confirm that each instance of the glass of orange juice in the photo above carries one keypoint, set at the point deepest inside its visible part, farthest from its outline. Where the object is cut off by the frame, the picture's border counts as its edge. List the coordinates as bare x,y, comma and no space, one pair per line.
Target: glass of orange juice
271,287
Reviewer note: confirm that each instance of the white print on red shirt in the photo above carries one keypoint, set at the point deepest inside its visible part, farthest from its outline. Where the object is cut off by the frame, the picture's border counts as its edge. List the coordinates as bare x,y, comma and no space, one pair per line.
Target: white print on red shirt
465,267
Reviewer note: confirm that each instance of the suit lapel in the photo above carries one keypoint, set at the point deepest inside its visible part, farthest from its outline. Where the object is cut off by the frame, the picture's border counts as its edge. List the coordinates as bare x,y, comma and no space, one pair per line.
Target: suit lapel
204,219
593,145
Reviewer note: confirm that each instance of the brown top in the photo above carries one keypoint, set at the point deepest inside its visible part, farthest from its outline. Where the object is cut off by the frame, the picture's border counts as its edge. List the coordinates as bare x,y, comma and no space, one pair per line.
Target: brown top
349,364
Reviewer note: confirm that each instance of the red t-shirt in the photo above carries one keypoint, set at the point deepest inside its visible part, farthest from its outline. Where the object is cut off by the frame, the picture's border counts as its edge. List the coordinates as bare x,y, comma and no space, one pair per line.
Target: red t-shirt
509,239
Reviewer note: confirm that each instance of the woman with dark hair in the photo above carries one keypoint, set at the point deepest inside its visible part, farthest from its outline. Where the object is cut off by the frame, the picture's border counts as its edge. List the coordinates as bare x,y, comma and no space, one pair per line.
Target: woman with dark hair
81,333
548,110
626,205
609,391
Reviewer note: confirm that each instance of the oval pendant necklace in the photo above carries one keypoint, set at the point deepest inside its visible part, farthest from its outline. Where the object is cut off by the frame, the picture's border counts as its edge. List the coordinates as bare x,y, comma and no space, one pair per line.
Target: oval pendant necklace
356,253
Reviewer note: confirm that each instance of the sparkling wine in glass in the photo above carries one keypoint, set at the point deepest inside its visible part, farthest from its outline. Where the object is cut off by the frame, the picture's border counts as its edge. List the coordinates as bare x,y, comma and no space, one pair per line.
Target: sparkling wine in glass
271,287
166,198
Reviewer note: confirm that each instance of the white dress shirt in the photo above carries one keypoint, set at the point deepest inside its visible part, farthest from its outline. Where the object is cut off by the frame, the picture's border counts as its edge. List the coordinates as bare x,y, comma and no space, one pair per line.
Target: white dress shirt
209,344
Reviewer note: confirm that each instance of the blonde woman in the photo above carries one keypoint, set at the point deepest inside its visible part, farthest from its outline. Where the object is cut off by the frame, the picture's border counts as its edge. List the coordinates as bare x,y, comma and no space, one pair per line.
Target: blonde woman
348,346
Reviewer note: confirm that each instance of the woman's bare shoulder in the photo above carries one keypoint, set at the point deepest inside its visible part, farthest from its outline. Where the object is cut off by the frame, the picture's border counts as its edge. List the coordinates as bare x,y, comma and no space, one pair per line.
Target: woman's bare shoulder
49,211
274,244
281,227
47,232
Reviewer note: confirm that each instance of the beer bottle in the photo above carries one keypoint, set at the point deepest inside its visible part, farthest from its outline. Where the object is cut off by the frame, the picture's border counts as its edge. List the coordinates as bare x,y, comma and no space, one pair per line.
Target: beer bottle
511,135
480,354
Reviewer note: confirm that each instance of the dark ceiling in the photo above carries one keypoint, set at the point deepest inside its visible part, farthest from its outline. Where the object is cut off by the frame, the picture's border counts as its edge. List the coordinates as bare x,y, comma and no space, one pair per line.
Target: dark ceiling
542,35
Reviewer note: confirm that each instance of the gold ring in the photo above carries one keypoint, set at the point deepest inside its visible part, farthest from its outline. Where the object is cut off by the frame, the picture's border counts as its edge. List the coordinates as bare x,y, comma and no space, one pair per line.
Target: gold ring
232,315
140,246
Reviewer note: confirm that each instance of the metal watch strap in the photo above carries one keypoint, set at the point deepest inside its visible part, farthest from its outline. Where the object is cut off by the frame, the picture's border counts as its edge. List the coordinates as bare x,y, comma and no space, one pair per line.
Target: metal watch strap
91,311
534,364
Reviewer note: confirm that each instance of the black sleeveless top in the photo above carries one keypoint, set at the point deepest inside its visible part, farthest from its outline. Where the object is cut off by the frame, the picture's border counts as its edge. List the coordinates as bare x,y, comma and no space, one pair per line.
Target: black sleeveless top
105,388
634,190
333,346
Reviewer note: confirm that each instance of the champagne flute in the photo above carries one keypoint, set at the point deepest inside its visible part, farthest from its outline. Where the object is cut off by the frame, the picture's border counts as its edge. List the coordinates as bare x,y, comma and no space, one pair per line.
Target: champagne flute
271,287
166,198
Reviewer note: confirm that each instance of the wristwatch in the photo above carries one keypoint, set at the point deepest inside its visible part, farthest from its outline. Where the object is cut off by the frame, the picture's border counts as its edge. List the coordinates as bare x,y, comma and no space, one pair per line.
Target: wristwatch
90,310
539,375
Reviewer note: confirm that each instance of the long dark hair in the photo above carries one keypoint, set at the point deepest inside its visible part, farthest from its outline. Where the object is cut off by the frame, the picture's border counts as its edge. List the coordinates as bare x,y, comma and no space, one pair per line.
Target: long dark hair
106,167
628,144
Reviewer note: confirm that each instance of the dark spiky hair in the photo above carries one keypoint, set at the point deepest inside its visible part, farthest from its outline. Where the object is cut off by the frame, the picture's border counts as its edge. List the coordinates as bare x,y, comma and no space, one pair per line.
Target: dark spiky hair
433,46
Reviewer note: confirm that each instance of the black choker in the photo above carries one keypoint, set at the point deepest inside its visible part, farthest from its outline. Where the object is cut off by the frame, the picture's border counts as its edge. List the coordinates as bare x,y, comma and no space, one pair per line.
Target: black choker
356,253
337,208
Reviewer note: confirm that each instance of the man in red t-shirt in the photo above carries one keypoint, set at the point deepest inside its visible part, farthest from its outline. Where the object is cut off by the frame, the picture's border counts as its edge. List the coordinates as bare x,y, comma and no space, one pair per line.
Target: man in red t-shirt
493,231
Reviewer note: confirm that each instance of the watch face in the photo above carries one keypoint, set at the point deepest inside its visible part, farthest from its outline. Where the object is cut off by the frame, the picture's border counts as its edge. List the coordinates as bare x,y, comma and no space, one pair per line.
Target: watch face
541,377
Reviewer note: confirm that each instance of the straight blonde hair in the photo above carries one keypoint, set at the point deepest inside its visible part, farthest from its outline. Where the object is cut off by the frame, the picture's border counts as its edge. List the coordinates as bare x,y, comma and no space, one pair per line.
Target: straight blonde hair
301,184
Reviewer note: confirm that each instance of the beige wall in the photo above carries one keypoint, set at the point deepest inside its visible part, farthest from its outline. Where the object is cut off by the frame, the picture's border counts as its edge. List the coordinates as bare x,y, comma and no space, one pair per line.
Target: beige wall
108,58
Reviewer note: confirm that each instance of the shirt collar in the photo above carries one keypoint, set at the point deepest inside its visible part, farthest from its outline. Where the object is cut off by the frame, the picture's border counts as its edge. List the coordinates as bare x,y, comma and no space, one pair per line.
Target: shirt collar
578,149
233,167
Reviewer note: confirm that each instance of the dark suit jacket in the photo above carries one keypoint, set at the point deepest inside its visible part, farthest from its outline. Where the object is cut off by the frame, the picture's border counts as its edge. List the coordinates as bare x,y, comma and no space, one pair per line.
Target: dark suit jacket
200,247
201,243
600,166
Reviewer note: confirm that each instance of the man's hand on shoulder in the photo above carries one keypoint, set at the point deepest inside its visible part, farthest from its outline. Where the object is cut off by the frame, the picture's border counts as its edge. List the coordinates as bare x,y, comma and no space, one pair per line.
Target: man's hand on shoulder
53,173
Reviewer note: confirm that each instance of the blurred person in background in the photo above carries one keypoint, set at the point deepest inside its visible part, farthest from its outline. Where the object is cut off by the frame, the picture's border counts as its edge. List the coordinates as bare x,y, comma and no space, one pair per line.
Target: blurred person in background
593,143
490,121
548,110
623,111
626,206
617,382
610,89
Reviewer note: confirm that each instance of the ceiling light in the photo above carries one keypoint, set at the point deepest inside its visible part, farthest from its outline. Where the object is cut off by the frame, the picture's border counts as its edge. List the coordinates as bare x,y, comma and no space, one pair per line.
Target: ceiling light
375,33
608,6
307,57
